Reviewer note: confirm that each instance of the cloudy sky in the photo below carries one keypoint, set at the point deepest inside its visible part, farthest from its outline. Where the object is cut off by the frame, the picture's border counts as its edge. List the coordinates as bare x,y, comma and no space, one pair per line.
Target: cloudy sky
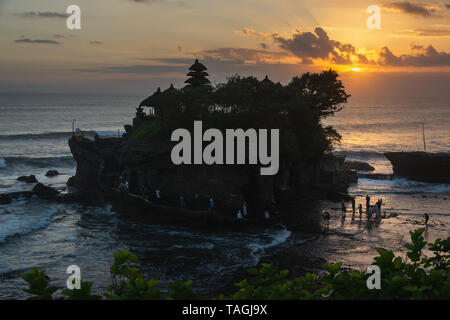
133,46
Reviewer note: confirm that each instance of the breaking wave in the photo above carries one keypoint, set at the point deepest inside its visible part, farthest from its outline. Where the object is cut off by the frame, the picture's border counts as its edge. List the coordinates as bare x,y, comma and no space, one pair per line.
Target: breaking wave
19,225
403,186
257,248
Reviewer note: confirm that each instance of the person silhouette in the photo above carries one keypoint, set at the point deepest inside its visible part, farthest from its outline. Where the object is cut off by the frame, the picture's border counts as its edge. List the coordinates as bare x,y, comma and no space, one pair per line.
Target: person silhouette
427,217
212,205
344,209
244,208
367,203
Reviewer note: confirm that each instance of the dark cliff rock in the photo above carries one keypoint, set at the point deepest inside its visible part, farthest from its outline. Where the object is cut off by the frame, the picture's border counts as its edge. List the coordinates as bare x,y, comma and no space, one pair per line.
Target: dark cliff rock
104,163
45,192
5,199
422,166
93,158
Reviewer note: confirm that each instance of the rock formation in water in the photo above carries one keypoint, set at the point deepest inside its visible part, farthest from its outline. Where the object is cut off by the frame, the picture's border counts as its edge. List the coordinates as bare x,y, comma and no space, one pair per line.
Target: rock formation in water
28,179
142,157
422,166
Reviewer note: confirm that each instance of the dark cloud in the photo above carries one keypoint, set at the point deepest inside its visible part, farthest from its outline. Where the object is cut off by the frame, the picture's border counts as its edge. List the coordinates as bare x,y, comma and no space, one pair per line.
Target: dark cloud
38,41
416,47
172,61
42,14
255,34
412,9
95,42
177,68
447,6
58,36
433,32
317,45
428,57
263,45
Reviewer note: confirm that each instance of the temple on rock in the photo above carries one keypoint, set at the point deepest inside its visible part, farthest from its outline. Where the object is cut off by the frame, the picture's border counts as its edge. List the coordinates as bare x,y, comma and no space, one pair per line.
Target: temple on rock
167,103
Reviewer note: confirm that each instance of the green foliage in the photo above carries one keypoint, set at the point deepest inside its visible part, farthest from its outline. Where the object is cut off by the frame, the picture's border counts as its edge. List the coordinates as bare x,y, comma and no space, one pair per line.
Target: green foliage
127,281
416,277
180,290
38,285
295,109
149,129
84,293
246,102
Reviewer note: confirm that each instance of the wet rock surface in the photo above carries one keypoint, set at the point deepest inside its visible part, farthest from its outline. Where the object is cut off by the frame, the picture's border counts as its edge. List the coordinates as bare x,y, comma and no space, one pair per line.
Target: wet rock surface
28,179
5,199
421,166
358,166
52,173
45,192
146,164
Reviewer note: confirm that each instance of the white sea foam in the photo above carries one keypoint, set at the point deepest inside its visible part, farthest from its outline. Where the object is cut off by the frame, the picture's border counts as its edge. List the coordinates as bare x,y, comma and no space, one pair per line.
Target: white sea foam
401,185
17,225
257,248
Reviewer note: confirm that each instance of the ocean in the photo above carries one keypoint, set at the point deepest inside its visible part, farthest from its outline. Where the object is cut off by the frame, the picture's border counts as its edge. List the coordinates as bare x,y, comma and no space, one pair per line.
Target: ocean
34,129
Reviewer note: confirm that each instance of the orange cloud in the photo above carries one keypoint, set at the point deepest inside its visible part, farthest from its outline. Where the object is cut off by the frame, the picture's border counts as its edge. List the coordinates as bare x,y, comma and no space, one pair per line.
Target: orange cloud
319,48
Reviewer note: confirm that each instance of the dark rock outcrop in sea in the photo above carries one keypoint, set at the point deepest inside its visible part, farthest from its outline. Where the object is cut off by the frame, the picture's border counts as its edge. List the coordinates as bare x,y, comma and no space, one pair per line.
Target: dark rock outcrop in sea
52,173
5,199
136,172
102,163
358,165
28,179
422,166
45,192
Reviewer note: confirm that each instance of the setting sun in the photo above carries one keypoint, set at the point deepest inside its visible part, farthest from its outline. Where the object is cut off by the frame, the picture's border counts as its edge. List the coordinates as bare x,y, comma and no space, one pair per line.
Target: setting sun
356,69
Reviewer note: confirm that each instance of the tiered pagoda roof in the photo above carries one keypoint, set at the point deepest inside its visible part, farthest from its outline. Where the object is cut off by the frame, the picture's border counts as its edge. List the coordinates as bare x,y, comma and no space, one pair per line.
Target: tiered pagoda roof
197,75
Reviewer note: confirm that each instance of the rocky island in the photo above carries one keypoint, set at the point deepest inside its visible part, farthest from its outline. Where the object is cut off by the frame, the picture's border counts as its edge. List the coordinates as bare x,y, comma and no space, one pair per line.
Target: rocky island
136,174
422,166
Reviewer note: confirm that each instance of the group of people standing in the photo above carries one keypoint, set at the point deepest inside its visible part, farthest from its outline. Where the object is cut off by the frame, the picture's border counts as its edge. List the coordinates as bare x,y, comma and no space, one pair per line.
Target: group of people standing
241,214
148,194
370,210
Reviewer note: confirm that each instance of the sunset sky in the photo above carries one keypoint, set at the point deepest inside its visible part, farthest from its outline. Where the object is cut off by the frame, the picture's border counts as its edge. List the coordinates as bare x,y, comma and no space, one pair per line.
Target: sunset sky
134,46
